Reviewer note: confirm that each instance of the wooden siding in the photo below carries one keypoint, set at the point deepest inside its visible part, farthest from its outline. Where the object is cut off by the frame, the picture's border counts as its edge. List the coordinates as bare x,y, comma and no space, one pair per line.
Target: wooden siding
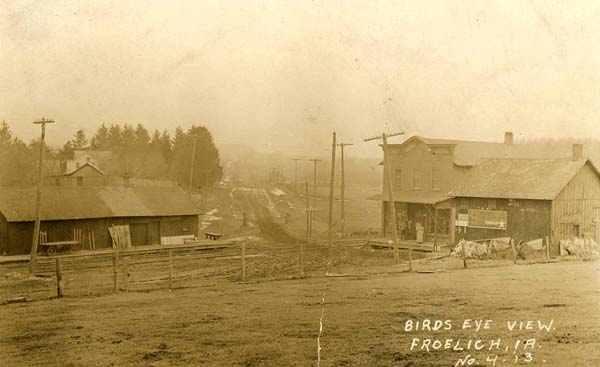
144,230
526,219
417,157
577,206
3,235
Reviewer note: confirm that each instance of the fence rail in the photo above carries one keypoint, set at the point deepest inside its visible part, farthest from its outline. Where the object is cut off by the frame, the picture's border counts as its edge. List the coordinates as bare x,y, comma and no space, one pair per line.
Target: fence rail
141,269
195,265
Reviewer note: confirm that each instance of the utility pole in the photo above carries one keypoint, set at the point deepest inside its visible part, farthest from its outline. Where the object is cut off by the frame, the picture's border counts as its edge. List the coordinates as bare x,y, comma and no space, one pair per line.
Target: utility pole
192,165
308,213
388,173
296,174
342,145
331,183
38,200
315,161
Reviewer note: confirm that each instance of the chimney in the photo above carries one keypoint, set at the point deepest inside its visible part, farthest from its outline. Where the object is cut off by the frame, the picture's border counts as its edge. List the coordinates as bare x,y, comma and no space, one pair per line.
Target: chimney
508,138
577,152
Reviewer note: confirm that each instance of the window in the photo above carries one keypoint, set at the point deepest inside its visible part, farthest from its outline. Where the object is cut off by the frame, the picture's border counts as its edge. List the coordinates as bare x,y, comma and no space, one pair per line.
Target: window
398,179
416,184
491,204
79,181
435,179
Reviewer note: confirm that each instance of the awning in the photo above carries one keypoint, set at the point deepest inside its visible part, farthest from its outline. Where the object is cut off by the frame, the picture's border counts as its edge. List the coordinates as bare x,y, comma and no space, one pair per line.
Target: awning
416,197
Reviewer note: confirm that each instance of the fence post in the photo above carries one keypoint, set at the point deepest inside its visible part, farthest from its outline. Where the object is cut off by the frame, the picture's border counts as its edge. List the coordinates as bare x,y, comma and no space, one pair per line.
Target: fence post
514,251
126,273
170,269
302,260
59,281
243,247
547,248
464,255
115,261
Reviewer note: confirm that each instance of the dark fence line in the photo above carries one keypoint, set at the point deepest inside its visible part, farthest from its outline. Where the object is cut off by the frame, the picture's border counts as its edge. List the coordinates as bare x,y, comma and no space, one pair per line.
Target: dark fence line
159,268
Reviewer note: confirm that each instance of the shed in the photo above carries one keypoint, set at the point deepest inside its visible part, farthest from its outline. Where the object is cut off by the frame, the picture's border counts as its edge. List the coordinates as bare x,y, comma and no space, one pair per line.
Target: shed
152,213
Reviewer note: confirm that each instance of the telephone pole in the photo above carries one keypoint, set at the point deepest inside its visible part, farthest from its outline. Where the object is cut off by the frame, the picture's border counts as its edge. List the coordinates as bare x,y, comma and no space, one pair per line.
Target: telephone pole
38,200
315,161
342,145
308,213
388,173
296,174
331,183
192,165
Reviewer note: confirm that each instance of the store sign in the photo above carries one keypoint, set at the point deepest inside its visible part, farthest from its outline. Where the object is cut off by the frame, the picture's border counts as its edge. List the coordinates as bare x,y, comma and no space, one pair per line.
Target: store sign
494,219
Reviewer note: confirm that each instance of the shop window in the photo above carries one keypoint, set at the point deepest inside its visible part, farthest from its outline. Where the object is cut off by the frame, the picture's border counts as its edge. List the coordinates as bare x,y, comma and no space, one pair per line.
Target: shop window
491,204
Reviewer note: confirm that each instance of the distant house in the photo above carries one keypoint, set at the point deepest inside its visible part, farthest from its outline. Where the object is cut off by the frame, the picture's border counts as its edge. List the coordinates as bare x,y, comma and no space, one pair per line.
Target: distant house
88,169
100,159
154,215
455,189
87,174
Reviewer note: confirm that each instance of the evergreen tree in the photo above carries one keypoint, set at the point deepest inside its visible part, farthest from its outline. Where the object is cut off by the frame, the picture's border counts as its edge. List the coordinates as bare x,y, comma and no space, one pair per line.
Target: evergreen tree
155,140
6,137
166,146
114,139
142,138
100,138
128,137
207,169
79,140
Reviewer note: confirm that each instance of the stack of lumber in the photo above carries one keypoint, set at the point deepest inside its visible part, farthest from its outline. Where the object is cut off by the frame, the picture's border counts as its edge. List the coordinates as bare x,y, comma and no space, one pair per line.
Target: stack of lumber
120,236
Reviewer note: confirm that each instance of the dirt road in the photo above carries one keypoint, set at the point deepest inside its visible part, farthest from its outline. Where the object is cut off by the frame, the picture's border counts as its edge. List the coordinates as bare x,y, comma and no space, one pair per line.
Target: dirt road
264,212
277,323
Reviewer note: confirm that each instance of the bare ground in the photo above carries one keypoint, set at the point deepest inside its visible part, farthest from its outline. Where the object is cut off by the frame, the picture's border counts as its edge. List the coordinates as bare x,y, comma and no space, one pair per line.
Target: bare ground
277,323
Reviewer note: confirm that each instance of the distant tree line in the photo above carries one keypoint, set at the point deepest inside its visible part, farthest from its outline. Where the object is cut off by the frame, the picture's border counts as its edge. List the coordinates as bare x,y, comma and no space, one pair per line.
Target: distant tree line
134,150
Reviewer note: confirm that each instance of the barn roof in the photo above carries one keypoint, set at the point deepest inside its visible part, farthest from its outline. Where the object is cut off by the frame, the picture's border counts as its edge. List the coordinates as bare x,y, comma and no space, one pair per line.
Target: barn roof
541,179
469,153
82,202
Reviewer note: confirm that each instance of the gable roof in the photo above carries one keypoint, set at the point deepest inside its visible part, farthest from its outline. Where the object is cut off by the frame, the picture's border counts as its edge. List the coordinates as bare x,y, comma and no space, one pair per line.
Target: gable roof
89,164
541,179
82,202
468,153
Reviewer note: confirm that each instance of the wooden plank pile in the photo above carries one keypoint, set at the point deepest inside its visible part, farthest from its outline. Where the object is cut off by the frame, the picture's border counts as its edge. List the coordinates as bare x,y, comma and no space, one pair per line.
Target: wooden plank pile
121,238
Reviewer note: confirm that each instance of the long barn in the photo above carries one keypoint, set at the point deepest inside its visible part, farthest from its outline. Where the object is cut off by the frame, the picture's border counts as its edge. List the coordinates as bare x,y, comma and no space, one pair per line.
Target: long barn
154,215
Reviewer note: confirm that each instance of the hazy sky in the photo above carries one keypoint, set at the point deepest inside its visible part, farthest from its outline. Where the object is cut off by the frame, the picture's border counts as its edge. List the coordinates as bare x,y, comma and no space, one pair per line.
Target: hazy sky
285,74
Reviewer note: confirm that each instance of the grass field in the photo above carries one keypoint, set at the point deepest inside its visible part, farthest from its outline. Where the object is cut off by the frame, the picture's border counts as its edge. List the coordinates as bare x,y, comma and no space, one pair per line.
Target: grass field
277,323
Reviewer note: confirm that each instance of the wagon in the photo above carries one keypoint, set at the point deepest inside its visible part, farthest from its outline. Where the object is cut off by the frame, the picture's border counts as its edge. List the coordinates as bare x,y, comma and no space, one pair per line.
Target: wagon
56,247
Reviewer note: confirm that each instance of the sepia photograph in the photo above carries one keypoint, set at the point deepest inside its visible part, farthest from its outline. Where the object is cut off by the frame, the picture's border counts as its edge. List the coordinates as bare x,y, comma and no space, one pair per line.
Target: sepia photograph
315,183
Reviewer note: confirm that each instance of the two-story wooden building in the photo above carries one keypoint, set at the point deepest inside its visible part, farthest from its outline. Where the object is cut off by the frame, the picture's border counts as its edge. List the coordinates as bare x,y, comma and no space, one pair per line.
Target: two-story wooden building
455,189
